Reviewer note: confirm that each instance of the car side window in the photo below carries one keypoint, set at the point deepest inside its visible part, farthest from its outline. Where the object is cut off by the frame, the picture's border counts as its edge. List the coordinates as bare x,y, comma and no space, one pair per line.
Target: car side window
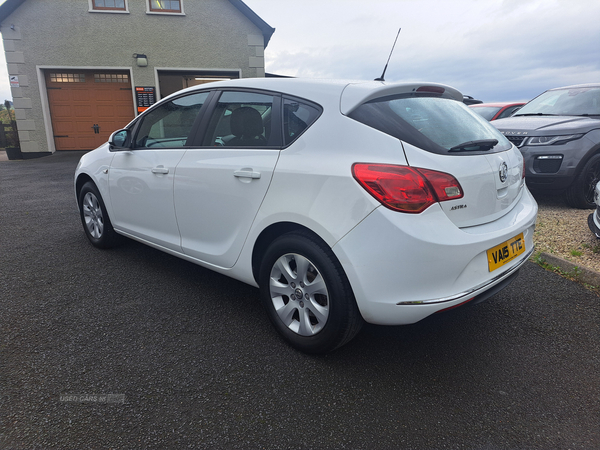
170,124
297,117
240,119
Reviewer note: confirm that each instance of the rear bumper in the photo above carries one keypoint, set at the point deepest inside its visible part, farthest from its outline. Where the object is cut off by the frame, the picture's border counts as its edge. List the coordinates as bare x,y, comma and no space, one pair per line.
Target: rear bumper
424,263
477,293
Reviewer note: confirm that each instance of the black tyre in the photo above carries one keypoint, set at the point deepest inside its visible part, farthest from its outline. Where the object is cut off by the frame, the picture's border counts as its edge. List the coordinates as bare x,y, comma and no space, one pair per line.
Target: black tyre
94,218
581,193
307,295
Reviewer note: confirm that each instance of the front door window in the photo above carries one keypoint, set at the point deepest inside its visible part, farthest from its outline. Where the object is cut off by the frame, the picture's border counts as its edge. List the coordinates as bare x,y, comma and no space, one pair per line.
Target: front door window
170,124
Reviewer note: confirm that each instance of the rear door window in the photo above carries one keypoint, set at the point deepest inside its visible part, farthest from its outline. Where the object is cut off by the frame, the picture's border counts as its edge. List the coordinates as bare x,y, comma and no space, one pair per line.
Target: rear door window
241,119
298,115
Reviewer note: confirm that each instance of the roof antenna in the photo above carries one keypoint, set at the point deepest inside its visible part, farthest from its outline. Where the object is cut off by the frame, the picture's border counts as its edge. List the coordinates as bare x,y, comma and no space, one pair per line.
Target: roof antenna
381,78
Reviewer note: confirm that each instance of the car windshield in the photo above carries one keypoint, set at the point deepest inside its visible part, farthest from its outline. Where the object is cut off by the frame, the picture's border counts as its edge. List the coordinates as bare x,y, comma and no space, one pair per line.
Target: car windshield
487,112
565,102
437,125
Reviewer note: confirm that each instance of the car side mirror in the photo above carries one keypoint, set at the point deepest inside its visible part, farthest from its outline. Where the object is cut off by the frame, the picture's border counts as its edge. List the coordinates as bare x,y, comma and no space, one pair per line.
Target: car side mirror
119,139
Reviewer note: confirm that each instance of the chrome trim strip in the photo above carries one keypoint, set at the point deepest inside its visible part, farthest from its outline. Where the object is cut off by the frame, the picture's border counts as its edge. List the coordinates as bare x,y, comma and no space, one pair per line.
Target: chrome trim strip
470,291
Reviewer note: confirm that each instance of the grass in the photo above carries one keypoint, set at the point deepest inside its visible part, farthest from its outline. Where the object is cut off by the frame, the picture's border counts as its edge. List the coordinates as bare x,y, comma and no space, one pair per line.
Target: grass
574,274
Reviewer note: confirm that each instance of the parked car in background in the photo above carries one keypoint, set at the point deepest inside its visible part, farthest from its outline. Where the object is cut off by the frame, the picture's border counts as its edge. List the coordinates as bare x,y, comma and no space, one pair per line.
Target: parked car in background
558,133
468,100
493,111
594,218
344,202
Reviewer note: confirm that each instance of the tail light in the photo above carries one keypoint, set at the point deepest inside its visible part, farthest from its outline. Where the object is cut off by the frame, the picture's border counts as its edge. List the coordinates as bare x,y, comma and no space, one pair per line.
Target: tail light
406,189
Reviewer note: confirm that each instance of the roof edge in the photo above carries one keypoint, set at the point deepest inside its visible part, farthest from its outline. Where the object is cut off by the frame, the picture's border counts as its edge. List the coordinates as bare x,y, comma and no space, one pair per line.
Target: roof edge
8,7
264,27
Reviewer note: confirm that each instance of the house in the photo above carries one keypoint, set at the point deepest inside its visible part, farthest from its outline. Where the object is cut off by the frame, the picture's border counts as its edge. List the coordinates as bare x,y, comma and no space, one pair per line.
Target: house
80,69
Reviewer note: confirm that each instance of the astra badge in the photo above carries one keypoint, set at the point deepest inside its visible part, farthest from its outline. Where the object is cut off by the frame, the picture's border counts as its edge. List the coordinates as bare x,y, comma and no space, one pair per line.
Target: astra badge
503,172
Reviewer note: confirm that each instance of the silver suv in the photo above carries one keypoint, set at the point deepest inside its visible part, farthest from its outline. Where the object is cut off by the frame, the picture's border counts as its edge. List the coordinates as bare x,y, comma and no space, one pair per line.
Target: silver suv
558,134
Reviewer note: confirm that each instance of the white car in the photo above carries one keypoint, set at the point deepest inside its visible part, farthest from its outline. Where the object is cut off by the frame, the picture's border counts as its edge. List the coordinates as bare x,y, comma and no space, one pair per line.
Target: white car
343,201
594,218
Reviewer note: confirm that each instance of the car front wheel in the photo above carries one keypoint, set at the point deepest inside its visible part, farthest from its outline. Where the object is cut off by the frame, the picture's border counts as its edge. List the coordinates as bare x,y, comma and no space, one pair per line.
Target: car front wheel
94,217
307,295
581,193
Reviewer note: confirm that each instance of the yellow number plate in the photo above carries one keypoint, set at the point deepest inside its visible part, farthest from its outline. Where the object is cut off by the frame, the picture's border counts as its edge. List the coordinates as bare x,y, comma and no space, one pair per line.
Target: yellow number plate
505,252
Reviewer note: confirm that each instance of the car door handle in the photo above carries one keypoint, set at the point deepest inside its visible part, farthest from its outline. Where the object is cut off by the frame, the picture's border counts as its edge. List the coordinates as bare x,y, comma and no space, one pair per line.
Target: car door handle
160,169
245,173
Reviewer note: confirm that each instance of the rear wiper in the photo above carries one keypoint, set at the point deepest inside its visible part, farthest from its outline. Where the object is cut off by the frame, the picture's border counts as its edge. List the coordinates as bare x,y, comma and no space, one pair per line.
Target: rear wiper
473,146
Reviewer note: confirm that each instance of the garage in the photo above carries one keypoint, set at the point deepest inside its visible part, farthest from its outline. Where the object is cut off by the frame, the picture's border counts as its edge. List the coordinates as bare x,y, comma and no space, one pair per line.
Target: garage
78,73
171,81
86,106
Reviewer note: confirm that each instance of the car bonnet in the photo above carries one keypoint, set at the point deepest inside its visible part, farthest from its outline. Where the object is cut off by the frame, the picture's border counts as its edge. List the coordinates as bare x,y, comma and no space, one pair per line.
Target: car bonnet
548,125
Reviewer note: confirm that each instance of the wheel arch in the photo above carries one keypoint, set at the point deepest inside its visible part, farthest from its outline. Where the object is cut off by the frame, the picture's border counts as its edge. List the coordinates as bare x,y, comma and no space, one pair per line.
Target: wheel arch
82,178
573,193
592,136
271,233
595,150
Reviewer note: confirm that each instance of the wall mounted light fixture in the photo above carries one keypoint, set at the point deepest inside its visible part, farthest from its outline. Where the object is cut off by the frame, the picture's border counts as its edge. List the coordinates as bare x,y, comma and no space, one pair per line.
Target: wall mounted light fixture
141,60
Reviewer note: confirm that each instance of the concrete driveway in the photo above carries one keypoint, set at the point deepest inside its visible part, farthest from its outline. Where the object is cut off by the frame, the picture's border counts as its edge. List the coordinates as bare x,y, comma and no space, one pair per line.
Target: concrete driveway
132,348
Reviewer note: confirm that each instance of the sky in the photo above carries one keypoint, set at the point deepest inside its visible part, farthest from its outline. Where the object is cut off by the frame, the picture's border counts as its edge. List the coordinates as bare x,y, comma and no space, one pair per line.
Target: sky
493,50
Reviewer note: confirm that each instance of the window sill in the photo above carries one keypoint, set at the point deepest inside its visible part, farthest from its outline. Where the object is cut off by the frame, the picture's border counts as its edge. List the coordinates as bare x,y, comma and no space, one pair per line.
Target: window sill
108,11
156,13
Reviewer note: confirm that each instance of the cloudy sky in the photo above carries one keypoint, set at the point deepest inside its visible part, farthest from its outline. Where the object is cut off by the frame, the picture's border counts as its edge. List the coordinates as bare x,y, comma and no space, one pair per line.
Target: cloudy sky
494,50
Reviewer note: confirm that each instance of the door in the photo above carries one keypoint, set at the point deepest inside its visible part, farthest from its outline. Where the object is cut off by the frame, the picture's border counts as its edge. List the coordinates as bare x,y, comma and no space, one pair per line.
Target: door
220,187
87,106
141,179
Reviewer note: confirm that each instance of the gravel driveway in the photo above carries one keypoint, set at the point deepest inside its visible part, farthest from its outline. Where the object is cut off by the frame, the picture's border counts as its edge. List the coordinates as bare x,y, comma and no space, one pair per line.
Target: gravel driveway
132,348
563,231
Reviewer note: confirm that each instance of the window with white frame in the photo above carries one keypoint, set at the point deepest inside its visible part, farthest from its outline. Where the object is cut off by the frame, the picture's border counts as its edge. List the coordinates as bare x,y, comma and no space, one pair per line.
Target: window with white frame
165,6
109,5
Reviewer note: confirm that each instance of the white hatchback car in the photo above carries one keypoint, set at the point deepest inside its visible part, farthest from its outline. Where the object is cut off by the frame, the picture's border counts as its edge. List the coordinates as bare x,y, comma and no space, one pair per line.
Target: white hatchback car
344,202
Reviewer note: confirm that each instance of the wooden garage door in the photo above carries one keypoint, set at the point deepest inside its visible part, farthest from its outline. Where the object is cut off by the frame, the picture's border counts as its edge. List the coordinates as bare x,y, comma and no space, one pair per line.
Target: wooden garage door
87,106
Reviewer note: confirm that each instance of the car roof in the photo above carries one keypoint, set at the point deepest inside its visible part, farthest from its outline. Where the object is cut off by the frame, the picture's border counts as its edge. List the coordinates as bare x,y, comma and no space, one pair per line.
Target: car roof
346,93
577,86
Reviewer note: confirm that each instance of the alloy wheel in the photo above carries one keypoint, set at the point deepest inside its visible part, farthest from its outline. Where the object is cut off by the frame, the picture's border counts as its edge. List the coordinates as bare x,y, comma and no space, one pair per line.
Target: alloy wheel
92,215
299,294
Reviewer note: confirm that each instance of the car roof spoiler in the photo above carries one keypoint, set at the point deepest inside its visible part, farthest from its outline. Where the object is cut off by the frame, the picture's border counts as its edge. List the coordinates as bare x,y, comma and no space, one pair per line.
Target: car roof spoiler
356,94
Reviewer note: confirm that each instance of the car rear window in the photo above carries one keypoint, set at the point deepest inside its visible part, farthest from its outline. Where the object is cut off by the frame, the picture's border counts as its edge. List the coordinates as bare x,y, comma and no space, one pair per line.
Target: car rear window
430,123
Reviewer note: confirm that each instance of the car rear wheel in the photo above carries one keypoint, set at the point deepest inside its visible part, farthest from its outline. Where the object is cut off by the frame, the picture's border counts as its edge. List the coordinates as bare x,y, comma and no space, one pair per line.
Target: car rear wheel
581,193
307,295
94,217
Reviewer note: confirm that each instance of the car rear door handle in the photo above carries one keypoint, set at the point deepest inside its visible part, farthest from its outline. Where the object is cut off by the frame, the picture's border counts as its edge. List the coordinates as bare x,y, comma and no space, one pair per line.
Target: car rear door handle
246,173
161,170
